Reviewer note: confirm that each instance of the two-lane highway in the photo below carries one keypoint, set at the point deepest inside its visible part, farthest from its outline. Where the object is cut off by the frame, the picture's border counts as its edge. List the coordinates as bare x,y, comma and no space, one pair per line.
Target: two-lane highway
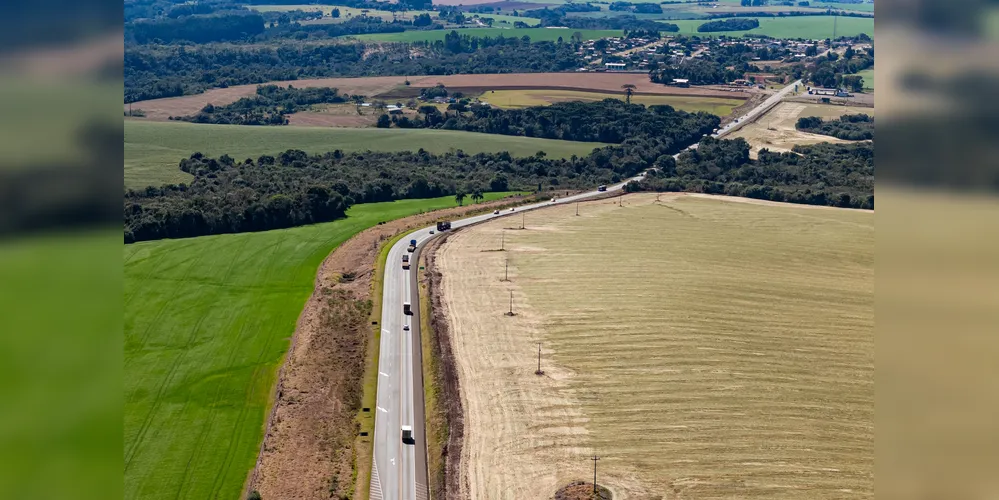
395,475
399,471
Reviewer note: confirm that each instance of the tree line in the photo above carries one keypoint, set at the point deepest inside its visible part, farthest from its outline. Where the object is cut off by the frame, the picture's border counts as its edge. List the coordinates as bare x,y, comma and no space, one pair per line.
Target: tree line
156,70
857,127
270,106
610,120
840,175
295,188
731,24
197,28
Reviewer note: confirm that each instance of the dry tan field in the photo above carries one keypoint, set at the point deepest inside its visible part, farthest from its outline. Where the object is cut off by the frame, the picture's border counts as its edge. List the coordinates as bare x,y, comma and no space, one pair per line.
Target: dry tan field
161,109
703,348
775,130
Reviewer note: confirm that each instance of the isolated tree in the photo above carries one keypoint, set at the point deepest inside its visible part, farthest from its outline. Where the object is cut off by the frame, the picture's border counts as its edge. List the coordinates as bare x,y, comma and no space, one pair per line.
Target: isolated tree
459,197
335,14
384,121
477,195
628,89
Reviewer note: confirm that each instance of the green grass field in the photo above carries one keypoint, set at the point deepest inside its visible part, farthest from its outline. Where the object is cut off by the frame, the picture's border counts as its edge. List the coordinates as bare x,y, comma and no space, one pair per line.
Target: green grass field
868,76
207,323
792,27
536,34
153,150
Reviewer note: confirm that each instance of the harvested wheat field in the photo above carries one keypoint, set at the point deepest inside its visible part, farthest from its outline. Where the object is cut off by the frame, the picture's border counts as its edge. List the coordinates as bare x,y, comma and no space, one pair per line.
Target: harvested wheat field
703,347
775,130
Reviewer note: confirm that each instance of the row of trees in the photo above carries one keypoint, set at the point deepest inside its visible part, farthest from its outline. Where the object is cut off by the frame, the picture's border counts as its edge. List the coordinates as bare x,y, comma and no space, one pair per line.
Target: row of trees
733,24
610,120
848,127
295,188
197,28
839,175
269,107
153,70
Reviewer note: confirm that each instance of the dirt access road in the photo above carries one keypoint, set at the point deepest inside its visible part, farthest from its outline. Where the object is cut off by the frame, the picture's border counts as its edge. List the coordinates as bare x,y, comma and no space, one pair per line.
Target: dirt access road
702,348
161,109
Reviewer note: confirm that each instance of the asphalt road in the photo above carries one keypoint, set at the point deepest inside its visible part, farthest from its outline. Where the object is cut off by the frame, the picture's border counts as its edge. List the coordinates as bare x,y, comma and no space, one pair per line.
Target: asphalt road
399,471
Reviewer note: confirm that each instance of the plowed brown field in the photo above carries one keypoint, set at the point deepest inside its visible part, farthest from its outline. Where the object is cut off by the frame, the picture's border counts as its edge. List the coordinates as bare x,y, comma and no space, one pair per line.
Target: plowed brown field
702,348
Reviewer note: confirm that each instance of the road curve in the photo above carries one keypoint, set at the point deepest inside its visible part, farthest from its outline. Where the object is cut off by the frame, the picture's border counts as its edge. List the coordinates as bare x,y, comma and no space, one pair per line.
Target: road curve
399,470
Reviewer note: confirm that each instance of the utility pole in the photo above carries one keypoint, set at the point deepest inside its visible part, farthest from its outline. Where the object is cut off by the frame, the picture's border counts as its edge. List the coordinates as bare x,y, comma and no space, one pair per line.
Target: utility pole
577,209
539,371
511,304
506,270
620,200
523,219
595,458
503,241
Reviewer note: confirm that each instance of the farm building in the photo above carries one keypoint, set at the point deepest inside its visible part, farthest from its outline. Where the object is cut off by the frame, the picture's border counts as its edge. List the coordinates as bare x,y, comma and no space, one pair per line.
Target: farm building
681,82
615,66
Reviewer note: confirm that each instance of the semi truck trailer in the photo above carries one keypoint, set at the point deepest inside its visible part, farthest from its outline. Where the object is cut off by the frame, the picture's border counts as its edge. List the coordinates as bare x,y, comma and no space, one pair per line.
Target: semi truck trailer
407,434
405,261
412,246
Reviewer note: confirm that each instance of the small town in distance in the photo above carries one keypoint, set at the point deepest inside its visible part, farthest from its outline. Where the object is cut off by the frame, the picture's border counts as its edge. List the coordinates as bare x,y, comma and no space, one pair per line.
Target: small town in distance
400,250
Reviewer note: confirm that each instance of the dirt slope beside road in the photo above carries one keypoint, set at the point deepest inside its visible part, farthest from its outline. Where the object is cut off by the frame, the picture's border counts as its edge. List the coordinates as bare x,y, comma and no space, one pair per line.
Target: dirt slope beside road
309,440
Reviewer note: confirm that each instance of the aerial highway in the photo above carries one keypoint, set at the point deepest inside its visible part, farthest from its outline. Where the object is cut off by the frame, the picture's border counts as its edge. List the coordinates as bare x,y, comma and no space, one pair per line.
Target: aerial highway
399,471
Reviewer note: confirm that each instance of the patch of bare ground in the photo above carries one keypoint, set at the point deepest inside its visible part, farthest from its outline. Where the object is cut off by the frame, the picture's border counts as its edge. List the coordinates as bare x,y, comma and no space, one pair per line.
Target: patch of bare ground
308,450
327,119
775,130
161,109
581,490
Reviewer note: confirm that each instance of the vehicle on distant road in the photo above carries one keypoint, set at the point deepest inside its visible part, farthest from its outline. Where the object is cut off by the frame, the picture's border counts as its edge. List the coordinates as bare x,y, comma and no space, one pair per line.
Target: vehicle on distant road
495,212
553,200
407,308
444,225
407,434
602,188
412,246
511,209
431,231
405,261
405,328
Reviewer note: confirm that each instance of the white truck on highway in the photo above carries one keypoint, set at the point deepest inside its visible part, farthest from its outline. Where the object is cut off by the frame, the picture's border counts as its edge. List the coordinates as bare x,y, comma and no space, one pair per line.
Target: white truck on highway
407,434
405,261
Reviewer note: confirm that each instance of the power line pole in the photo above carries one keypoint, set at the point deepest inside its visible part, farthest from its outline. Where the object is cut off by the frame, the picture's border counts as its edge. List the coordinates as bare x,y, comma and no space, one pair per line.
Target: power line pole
503,241
523,219
506,270
577,209
539,371
595,458
510,313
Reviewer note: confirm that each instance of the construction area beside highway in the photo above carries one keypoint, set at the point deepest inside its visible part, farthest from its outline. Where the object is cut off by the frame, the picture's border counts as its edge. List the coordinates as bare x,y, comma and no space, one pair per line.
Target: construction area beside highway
700,347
